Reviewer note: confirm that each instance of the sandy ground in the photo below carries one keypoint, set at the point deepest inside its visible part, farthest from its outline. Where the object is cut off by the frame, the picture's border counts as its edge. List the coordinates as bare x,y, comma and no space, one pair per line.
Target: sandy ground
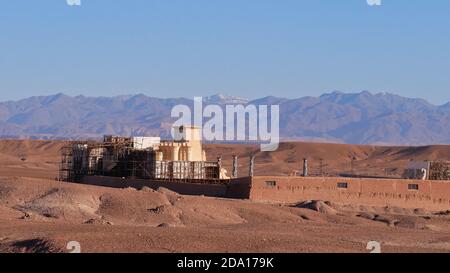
42,215
39,214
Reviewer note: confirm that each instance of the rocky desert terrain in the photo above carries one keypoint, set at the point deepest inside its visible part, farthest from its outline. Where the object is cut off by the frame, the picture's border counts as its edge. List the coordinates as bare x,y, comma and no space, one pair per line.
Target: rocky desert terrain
40,214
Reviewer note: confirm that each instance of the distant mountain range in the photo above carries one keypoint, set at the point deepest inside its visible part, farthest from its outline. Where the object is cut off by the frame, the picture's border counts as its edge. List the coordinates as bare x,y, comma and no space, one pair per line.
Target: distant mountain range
359,118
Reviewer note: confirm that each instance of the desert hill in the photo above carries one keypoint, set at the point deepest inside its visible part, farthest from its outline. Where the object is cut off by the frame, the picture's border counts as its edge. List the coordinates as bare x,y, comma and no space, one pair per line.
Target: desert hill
32,158
328,159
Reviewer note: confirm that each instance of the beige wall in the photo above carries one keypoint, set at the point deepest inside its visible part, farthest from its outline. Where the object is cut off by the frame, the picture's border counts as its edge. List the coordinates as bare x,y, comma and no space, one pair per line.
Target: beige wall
192,149
180,151
434,195
186,147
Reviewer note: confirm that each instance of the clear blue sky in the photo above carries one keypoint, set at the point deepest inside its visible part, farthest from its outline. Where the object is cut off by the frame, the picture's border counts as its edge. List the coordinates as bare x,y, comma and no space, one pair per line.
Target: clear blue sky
251,48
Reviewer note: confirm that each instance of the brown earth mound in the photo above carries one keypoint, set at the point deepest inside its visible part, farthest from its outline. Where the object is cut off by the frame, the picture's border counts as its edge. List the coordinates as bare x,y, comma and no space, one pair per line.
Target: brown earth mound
39,215
319,206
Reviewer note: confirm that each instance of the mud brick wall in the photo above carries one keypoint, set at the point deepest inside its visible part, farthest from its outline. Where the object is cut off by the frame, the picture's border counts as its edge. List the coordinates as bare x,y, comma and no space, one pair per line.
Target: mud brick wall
239,188
433,195
182,188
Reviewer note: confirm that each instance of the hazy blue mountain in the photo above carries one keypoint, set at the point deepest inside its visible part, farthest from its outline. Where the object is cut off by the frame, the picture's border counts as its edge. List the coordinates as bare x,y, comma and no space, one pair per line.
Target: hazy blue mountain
359,118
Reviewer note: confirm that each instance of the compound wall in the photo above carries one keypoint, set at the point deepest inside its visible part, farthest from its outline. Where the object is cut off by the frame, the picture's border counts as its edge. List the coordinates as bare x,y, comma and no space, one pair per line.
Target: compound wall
235,188
215,190
433,195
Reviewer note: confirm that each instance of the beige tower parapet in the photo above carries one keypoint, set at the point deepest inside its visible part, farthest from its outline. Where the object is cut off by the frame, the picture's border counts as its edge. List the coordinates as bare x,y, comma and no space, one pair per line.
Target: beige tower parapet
190,138
187,146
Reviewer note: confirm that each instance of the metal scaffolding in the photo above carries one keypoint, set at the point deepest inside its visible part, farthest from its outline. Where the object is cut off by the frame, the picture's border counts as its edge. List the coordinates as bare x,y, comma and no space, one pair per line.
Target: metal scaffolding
117,157
439,170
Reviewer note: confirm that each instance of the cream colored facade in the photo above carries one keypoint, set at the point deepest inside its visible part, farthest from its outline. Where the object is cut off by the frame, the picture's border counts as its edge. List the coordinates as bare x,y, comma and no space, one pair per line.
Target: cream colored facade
187,146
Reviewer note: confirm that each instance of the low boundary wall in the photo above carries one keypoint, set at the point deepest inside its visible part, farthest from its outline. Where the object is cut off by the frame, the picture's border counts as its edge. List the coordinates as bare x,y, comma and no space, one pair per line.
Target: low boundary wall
236,188
433,195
